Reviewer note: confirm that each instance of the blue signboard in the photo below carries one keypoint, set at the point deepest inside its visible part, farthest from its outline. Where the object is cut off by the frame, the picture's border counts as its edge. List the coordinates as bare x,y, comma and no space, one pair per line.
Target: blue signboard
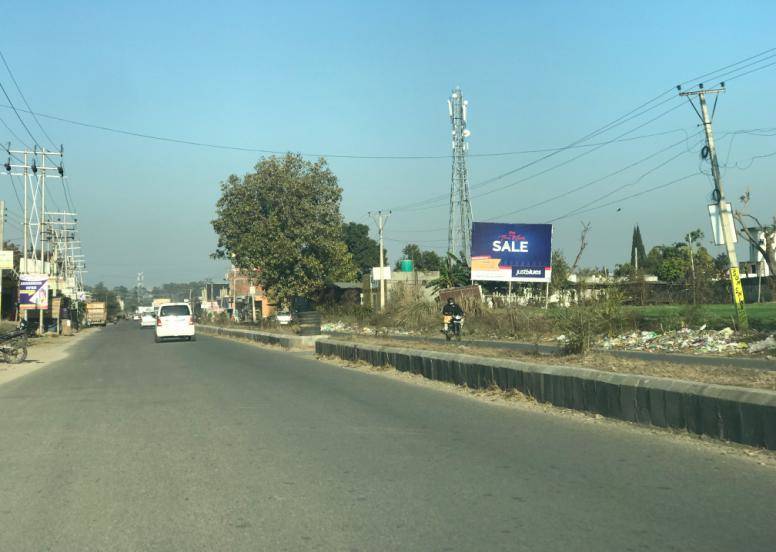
33,291
511,252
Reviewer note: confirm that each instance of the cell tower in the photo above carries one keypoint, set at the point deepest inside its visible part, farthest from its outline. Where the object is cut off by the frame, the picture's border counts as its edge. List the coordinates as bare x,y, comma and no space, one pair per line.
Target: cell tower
460,228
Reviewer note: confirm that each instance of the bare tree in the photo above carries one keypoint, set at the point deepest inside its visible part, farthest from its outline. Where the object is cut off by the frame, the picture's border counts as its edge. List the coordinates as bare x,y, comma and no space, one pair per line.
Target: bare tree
582,245
747,223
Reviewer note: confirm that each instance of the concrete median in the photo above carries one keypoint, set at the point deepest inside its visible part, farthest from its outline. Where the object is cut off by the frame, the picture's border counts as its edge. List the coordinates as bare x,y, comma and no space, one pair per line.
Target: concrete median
286,341
735,414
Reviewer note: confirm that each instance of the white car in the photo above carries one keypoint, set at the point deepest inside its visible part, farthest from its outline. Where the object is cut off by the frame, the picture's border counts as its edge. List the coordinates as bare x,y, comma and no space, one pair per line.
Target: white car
284,318
147,320
175,320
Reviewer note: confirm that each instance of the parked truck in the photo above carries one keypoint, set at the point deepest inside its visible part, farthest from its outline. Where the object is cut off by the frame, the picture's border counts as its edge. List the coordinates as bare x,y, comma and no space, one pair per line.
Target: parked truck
96,313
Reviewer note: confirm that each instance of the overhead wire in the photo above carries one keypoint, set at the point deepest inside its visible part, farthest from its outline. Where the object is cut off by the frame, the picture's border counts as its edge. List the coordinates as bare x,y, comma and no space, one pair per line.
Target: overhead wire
24,99
720,72
610,193
638,194
8,98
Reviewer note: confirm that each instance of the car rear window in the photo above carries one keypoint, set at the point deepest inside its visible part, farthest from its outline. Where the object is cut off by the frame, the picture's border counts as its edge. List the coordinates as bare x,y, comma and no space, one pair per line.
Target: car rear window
174,310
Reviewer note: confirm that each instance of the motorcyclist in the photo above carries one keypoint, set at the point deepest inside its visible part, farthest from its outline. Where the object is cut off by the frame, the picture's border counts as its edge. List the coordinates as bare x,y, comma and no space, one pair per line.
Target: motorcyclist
452,308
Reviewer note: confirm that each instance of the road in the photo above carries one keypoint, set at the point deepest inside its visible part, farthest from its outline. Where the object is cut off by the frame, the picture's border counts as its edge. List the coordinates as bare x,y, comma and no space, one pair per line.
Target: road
216,445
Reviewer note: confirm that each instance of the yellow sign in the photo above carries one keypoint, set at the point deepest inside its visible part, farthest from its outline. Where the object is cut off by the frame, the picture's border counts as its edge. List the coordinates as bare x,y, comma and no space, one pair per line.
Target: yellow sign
738,297
6,260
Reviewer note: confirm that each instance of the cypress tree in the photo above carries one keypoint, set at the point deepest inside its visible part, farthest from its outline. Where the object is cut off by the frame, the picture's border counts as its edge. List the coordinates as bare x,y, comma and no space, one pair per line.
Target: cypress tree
637,246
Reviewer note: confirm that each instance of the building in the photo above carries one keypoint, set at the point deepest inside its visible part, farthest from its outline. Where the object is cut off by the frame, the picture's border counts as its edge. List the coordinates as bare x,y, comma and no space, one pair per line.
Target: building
757,264
246,296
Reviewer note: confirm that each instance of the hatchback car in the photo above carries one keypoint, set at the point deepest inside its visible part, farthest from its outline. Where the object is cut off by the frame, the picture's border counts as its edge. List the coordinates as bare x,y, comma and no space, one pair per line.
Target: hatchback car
175,320
147,320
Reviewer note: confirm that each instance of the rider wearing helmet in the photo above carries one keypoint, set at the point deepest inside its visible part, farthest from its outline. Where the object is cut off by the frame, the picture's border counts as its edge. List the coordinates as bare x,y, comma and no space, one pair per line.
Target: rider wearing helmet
452,308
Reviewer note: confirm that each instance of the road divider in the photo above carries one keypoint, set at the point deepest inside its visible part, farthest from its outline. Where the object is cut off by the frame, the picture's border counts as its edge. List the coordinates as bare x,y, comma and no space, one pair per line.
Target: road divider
735,414
286,341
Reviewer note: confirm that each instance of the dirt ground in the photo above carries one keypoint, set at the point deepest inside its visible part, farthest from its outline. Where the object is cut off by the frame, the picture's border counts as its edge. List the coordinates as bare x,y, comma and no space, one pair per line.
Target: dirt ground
42,351
720,375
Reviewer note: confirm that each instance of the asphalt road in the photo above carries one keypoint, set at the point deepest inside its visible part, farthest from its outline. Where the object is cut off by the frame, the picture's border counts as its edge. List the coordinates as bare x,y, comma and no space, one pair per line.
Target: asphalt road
217,445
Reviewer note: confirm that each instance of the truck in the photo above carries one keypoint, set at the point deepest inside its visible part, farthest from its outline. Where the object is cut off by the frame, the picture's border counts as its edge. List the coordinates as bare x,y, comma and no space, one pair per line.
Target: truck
156,303
96,313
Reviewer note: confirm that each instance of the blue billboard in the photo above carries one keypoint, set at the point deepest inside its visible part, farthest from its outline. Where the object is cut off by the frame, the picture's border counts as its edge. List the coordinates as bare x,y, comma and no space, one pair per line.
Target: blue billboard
511,252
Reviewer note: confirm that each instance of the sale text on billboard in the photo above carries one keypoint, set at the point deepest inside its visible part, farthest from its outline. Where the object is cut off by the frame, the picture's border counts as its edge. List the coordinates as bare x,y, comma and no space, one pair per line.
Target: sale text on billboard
511,252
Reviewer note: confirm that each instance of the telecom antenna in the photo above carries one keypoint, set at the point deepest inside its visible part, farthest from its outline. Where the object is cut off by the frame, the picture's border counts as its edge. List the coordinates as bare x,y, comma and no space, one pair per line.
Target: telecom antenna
460,227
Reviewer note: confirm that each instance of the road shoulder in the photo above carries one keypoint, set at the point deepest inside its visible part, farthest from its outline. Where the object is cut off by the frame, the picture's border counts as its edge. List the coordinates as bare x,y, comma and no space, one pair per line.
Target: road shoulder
43,352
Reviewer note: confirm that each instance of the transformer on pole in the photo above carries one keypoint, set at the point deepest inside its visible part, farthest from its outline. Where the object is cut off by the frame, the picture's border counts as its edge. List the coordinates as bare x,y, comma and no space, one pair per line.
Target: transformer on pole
460,225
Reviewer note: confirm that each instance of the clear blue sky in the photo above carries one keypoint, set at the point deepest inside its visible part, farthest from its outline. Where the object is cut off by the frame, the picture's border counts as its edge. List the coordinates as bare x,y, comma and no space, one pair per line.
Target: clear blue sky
372,78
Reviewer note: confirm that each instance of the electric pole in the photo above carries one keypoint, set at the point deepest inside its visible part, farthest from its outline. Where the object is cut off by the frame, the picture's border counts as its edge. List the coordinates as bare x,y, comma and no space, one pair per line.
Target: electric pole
2,248
460,223
380,218
723,207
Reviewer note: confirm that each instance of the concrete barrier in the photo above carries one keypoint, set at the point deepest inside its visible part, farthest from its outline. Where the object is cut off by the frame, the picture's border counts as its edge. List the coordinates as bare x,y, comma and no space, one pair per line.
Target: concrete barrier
735,414
287,341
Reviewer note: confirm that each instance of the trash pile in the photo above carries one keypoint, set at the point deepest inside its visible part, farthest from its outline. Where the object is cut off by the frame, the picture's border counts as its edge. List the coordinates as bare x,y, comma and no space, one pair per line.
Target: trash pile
342,327
687,340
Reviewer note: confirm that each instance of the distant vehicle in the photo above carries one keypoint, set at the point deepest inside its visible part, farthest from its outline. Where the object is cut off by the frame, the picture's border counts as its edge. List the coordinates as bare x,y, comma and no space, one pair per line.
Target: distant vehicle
156,303
96,313
284,318
147,317
136,316
175,320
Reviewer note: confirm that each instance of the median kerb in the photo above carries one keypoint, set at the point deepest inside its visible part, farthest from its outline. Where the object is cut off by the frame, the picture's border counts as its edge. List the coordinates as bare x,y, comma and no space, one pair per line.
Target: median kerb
723,412
287,341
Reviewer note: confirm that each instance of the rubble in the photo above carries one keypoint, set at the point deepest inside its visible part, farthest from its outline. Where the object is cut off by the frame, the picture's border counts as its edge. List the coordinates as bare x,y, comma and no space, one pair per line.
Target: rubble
764,345
687,340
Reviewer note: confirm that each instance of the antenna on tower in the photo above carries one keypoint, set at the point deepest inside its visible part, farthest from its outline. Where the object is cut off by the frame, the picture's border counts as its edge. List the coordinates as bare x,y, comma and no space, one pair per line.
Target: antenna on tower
460,227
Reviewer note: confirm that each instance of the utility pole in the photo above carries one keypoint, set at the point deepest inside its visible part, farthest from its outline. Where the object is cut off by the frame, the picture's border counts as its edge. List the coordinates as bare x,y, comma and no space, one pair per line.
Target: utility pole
35,206
380,218
723,207
2,248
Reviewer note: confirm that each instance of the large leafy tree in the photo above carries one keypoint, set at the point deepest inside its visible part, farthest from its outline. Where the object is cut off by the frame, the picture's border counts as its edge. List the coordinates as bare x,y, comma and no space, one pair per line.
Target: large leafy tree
284,219
364,250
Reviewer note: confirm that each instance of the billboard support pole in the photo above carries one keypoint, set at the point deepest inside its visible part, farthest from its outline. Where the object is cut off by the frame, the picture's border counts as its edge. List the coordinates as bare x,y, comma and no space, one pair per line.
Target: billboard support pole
546,295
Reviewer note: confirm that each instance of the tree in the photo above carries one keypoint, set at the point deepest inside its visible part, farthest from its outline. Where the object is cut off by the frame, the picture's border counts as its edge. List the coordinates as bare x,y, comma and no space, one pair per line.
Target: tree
364,250
284,220
670,263
637,253
560,272
422,260
453,273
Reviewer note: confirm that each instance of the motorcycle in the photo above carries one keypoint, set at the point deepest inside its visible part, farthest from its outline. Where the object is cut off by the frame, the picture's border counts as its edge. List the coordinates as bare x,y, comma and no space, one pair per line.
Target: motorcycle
451,326
13,345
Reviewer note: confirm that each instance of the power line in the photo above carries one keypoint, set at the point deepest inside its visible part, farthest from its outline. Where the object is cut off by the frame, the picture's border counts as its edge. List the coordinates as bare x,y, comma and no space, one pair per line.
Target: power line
634,113
638,194
7,97
11,131
24,99
555,166
592,182
610,193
